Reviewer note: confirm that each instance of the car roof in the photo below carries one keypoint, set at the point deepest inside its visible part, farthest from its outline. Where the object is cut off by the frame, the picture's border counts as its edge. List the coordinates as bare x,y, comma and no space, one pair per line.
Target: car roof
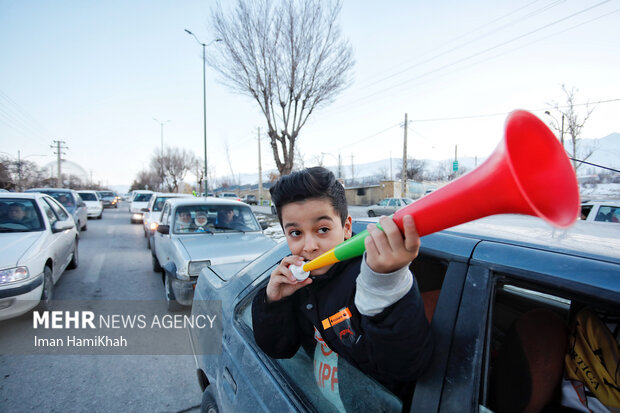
175,202
583,238
171,194
50,189
90,191
22,195
610,202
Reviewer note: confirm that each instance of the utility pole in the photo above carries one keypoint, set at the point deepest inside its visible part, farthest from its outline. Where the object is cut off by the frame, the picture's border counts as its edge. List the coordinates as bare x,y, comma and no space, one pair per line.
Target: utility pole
59,146
260,173
352,170
339,166
19,172
391,176
404,174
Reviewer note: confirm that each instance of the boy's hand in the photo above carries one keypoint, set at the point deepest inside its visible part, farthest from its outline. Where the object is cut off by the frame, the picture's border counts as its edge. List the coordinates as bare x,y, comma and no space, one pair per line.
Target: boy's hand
387,251
282,283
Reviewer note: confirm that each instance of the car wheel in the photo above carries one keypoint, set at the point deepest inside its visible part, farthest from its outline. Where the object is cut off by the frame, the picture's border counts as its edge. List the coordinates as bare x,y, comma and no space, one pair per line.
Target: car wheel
371,213
116,206
171,303
156,266
75,259
208,404
100,215
148,243
85,227
48,290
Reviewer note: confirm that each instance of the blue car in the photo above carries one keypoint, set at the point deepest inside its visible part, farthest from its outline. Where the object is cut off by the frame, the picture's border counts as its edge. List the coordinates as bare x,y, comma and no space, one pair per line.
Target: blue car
476,280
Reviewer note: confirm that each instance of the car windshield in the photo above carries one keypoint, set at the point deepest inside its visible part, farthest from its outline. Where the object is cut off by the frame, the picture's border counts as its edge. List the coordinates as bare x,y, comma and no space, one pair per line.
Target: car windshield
19,215
142,198
158,205
88,196
106,194
214,218
63,197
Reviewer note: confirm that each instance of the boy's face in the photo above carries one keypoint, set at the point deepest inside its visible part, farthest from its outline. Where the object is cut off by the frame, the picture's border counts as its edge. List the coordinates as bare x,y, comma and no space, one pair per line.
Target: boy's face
313,227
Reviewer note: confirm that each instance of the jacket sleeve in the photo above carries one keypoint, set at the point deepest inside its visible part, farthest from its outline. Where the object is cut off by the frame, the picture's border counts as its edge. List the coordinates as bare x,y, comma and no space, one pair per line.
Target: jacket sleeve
398,340
276,330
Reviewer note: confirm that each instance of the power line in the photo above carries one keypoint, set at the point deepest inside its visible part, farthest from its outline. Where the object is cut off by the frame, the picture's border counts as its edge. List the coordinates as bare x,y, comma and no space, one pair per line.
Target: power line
471,56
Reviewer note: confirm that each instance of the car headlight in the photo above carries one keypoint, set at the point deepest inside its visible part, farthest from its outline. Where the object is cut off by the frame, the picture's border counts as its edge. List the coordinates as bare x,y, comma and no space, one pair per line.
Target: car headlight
11,275
196,266
153,226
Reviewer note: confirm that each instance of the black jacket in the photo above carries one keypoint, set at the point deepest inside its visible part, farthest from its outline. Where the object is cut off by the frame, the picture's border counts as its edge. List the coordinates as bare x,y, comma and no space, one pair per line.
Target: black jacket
394,347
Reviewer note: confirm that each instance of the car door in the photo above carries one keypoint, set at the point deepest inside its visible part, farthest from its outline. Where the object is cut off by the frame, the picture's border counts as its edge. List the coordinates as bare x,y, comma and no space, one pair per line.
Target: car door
60,244
381,207
162,241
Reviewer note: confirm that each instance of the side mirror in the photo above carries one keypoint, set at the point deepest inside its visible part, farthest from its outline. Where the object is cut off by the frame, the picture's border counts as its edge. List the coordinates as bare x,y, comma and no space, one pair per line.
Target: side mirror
264,225
163,229
60,226
146,210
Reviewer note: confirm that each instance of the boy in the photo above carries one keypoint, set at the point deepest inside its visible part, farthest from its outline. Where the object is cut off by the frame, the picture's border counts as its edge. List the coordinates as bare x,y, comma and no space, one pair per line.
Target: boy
367,309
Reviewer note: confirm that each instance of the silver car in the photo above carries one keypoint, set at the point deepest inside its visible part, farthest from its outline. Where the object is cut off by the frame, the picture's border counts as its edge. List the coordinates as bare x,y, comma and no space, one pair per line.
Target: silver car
152,213
388,206
38,241
203,233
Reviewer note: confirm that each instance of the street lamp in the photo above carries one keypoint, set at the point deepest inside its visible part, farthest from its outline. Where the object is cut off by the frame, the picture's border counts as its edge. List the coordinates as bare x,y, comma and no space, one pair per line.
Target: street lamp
162,134
204,101
556,122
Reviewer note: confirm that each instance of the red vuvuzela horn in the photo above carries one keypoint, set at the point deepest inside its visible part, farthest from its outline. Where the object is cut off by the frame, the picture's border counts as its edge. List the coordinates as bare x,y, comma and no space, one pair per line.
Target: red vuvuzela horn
529,173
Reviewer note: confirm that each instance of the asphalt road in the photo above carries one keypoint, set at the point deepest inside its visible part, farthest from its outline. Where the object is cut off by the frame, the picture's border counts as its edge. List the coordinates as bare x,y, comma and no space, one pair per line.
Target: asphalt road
114,265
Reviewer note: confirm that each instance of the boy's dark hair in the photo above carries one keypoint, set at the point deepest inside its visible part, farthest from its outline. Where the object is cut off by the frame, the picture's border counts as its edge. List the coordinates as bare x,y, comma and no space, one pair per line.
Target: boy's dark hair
316,182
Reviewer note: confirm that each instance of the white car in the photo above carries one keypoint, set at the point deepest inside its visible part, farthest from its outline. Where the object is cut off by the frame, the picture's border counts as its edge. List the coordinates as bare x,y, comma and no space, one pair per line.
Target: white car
93,202
152,213
601,211
38,241
139,201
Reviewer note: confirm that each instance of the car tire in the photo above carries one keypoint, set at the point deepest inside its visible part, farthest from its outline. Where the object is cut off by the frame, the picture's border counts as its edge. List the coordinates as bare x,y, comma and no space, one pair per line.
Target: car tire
85,227
100,215
48,290
171,303
208,404
372,214
75,259
156,266
148,243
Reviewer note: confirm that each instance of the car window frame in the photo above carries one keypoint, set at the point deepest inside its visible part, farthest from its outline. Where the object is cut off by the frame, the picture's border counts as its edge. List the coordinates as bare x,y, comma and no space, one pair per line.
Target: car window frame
55,216
55,204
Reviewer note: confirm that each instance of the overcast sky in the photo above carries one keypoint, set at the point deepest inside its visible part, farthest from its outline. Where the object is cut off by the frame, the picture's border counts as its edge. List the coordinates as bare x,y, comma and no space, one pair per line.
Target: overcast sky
96,73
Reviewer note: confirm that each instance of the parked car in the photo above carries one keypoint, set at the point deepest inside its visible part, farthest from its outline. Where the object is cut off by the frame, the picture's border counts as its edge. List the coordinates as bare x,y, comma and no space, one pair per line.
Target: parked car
72,202
38,241
229,195
152,213
195,233
109,199
249,199
139,201
475,280
388,206
600,211
94,204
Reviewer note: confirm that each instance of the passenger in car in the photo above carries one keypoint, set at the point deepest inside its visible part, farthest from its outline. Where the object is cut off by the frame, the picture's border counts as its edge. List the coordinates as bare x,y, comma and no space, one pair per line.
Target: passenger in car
226,218
183,221
16,214
366,309
200,221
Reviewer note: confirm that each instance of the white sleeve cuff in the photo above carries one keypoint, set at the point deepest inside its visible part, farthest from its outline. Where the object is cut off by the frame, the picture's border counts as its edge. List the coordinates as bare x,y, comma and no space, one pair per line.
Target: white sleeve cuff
376,291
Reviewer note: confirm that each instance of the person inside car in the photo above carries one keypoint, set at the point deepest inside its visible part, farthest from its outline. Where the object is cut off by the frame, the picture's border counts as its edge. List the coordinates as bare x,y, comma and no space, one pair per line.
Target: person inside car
184,221
200,221
17,215
367,309
226,218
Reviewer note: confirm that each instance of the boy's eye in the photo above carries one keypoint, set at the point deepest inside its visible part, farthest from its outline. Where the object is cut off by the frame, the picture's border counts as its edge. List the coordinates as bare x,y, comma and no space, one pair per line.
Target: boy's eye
323,230
294,233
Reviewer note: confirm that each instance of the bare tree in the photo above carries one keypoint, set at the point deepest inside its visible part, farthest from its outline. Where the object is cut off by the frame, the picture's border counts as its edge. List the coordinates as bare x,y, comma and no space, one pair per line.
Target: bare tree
573,125
145,179
415,169
176,164
290,57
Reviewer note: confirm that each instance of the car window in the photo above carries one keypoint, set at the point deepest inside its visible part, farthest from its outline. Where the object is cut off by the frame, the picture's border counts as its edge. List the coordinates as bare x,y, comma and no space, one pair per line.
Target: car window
383,202
20,215
214,219
393,202
47,210
407,201
87,196
142,198
158,204
585,211
62,215
64,197
608,214
319,385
